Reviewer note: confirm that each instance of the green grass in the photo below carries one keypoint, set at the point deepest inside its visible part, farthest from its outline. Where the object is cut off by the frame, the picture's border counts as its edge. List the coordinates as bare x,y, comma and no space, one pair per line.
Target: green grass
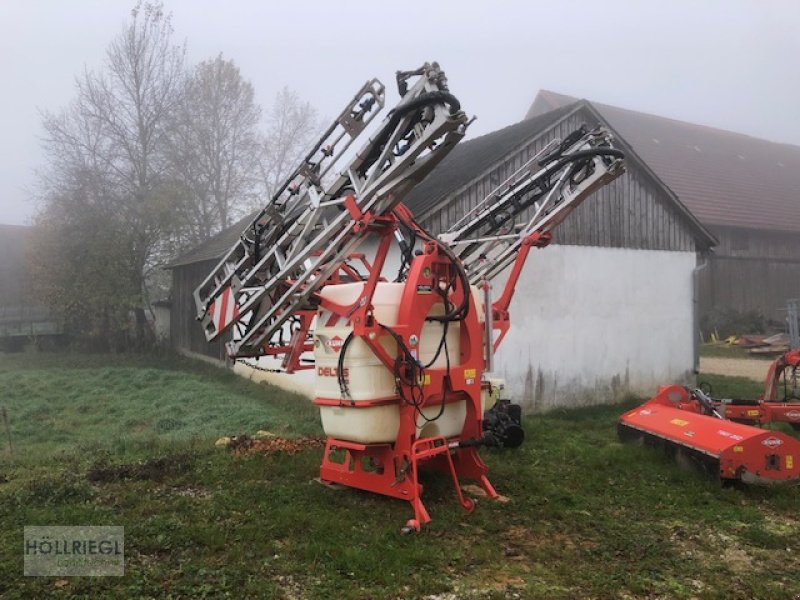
587,516
725,351
63,407
740,388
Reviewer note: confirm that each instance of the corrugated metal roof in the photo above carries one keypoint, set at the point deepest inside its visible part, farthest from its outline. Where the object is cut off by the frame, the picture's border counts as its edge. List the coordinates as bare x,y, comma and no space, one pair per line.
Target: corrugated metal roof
724,178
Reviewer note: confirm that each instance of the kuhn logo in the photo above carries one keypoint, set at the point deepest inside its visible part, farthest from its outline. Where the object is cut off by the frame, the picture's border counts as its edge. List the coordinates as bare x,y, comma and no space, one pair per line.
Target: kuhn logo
772,442
335,343
794,415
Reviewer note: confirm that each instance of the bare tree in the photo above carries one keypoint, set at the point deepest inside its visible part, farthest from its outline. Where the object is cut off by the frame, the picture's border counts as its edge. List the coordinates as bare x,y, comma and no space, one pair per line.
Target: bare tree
215,146
107,160
292,125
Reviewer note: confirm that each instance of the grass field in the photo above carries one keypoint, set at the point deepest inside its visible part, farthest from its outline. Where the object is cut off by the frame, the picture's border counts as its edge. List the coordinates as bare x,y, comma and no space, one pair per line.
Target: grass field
130,442
725,351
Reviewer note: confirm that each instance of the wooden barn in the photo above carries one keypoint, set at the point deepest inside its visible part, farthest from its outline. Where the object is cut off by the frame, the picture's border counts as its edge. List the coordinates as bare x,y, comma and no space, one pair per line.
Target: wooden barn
188,272
607,311
610,308
744,190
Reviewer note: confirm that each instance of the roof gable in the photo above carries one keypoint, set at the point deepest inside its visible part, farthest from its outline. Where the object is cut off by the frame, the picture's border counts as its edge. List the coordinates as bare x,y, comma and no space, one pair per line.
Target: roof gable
724,178
470,160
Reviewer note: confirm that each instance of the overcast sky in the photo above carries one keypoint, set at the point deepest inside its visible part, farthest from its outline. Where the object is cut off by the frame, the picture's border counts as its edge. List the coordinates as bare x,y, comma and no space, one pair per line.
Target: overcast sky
730,64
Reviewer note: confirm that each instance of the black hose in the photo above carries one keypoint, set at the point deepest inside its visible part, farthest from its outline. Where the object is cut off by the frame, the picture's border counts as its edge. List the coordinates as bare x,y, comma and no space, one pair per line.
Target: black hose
460,313
344,388
579,155
427,99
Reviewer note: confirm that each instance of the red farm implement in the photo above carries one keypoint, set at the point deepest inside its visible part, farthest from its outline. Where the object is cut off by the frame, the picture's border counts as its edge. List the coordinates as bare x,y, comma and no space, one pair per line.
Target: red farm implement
400,356
688,425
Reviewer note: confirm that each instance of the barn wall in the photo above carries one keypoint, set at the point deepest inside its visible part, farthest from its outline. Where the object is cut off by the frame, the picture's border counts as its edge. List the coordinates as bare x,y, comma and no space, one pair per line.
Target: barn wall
631,212
589,326
592,325
185,331
752,270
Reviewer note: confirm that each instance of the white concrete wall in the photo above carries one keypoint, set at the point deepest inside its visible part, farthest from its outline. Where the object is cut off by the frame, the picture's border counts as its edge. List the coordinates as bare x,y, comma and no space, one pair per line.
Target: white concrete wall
592,325
588,326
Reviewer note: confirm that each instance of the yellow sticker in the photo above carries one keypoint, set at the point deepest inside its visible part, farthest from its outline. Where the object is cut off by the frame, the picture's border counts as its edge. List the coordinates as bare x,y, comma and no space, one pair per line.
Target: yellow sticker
738,448
789,461
469,373
753,413
679,422
427,380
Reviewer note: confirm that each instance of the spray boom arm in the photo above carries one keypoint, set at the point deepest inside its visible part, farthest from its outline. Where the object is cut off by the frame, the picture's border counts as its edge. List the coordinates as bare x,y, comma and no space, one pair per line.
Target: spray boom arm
523,211
316,220
266,286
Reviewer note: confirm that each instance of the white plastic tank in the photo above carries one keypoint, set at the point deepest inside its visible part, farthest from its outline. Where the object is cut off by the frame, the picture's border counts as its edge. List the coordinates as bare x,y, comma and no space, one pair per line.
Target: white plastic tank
368,378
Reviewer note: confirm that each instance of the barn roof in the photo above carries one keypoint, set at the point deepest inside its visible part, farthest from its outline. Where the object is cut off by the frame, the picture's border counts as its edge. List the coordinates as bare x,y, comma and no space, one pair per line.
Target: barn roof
471,159
215,246
468,159
723,178
466,162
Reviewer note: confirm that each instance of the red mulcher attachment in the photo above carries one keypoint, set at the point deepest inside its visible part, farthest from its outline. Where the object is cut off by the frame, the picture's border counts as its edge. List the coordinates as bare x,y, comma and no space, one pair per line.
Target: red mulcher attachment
725,450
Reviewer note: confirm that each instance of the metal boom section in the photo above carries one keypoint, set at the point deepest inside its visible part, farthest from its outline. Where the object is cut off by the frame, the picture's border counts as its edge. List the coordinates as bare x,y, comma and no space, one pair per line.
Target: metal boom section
533,200
311,224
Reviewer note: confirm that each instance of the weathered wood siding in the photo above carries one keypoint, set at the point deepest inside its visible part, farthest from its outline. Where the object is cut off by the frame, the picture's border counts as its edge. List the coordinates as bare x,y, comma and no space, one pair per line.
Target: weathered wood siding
632,212
185,331
752,270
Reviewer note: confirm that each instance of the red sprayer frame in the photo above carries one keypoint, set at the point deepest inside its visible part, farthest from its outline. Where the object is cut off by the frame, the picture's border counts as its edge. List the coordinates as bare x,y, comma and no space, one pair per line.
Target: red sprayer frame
392,469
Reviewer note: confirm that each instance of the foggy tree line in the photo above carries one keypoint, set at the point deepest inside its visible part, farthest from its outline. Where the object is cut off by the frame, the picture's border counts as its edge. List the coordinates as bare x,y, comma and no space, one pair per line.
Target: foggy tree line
152,157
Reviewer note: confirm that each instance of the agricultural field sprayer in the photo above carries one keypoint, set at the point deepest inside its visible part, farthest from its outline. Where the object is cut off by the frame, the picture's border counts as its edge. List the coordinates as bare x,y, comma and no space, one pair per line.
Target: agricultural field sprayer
400,355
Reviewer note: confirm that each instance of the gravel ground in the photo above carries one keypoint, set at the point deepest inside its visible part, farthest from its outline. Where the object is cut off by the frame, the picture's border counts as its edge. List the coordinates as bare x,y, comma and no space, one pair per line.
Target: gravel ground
737,367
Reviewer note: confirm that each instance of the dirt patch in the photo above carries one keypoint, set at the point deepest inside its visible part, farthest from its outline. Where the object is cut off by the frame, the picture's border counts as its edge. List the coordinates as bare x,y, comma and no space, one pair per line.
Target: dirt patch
517,537
735,367
246,445
193,492
154,469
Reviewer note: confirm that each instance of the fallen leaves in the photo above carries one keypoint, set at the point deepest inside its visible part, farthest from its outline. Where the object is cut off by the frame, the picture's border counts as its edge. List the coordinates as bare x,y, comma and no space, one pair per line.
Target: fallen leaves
244,444
479,492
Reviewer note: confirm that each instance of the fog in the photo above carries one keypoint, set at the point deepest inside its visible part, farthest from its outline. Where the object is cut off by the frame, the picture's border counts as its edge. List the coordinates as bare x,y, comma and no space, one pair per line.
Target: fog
727,64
